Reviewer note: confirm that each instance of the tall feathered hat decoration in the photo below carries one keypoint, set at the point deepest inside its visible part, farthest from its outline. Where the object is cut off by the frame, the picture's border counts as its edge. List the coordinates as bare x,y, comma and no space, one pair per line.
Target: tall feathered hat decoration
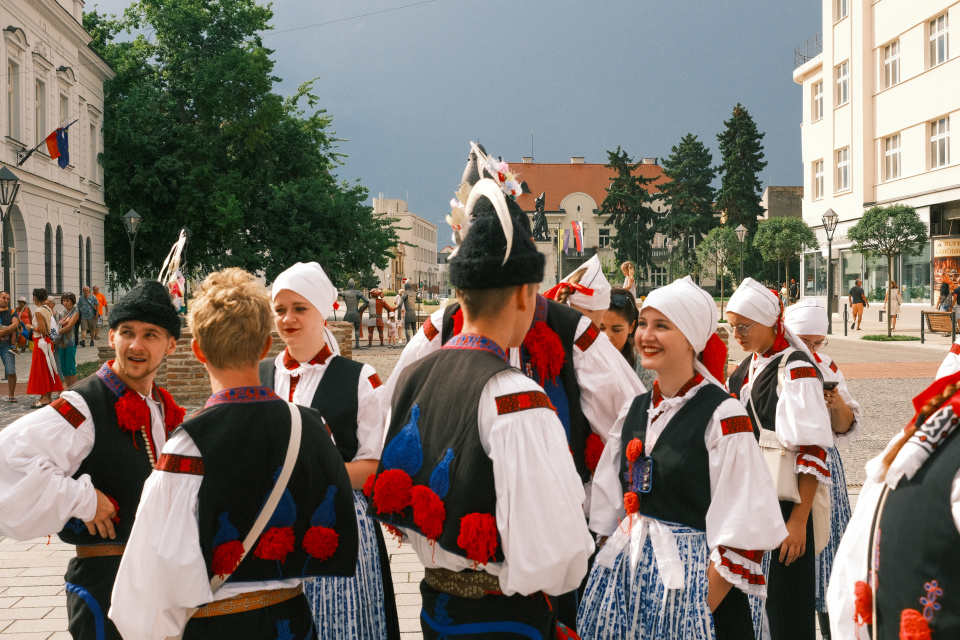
170,275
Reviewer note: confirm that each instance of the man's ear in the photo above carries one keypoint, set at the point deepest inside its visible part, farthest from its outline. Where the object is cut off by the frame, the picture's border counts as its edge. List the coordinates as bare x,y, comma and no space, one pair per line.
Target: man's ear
266,347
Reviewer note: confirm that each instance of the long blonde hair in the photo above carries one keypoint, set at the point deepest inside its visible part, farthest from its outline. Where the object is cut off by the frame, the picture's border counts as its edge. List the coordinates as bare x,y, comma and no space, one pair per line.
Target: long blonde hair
629,265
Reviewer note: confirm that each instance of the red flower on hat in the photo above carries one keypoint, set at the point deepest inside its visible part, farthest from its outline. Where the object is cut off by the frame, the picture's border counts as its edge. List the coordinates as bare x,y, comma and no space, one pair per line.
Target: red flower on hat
592,452
428,511
631,503
226,557
478,537
321,542
391,491
864,599
275,544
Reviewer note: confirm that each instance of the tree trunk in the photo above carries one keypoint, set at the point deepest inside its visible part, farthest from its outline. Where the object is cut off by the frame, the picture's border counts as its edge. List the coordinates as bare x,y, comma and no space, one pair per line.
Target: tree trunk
720,276
888,296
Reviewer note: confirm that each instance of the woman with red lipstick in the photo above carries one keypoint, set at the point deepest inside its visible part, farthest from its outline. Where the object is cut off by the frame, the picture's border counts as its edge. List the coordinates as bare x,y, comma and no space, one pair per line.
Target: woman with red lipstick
311,373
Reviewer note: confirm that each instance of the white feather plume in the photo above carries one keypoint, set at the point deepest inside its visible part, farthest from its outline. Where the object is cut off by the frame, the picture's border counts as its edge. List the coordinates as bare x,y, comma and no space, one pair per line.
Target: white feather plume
491,190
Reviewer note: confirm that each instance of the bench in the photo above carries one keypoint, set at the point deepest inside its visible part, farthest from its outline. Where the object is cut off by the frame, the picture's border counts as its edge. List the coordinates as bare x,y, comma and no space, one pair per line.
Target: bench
938,322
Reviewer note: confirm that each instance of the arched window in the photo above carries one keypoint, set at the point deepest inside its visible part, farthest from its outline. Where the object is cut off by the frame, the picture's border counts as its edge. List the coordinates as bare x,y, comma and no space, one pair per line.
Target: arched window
80,268
48,257
59,260
89,262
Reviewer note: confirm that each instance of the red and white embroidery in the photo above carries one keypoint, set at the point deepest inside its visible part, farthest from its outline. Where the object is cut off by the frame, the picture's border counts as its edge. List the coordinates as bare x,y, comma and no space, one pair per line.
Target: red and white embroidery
514,402
802,372
588,337
69,412
429,330
173,463
815,458
375,381
955,349
736,424
833,366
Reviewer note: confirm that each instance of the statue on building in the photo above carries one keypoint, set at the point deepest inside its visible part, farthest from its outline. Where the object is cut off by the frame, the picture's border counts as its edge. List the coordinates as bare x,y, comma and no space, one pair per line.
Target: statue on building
540,218
352,309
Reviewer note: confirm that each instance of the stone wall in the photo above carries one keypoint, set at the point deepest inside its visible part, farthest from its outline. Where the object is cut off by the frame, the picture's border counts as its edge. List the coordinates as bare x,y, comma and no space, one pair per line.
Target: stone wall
186,379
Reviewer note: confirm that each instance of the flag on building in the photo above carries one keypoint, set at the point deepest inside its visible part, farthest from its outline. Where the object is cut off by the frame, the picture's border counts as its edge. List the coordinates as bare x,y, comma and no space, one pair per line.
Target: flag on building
577,234
58,146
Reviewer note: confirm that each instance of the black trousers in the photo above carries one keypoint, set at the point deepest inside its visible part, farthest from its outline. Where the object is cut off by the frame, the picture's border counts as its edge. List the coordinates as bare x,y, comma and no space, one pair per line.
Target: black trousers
290,620
791,597
89,585
494,616
733,620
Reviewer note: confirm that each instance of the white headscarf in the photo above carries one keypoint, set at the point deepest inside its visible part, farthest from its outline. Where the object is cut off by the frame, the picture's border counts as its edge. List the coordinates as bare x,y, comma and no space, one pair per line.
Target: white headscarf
309,280
806,318
592,279
754,301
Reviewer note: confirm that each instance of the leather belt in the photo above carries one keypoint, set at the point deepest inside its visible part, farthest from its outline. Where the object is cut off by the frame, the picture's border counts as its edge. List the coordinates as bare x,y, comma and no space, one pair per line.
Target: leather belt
248,602
98,550
472,585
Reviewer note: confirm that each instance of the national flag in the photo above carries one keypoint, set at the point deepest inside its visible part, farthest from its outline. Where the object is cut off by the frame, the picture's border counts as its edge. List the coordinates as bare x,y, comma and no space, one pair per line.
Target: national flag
566,242
58,146
577,234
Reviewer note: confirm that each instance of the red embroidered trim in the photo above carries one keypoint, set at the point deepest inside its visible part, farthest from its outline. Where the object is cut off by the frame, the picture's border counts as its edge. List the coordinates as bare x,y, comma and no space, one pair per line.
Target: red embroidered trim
588,337
375,381
429,330
684,390
69,412
180,464
752,556
514,402
814,452
803,462
743,572
833,365
803,372
736,424
322,356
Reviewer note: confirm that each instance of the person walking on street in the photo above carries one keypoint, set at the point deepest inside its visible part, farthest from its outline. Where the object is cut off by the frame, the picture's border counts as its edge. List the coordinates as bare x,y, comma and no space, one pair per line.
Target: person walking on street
895,298
43,380
858,299
101,311
26,323
946,297
9,331
66,344
794,291
88,315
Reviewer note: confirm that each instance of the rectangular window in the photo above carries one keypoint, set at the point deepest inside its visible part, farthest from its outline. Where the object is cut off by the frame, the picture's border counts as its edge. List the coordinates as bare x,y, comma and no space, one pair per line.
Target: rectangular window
13,100
843,83
843,9
40,109
818,101
604,240
843,169
939,143
94,172
891,157
939,51
817,179
891,64
64,109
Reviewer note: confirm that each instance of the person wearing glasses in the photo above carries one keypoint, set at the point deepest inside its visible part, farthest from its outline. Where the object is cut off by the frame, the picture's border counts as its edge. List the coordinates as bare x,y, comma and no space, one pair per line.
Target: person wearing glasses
808,319
788,401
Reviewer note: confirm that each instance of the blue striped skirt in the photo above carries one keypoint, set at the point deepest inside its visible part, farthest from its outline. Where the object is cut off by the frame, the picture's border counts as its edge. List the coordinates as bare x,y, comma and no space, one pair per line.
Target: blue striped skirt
758,605
619,605
839,517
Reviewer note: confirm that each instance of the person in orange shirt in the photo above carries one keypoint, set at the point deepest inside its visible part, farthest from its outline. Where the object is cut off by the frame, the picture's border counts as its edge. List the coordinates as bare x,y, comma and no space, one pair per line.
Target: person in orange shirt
101,311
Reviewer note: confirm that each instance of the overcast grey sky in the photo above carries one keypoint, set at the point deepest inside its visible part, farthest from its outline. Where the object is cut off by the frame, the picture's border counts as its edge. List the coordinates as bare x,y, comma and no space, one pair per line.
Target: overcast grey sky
410,88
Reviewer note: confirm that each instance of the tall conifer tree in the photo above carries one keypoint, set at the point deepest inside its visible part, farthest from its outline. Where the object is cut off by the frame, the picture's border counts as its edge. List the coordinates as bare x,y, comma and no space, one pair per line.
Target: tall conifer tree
688,194
627,207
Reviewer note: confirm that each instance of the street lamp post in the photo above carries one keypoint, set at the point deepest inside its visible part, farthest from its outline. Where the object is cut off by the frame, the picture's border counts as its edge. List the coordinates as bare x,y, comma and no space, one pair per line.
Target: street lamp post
132,222
830,225
741,232
9,187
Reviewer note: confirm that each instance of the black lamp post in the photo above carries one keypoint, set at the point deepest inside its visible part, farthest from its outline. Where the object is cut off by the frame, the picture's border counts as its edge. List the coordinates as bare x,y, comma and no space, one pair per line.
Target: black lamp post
830,225
132,222
741,232
9,188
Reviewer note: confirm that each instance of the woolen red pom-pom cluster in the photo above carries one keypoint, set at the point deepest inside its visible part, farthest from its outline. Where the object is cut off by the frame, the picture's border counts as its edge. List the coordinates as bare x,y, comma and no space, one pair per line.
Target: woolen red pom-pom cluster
546,351
913,626
458,322
864,599
428,511
478,536
321,542
226,557
132,411
173,413
391,491
634,449
592,452
395,532
631,502
368,485
275,544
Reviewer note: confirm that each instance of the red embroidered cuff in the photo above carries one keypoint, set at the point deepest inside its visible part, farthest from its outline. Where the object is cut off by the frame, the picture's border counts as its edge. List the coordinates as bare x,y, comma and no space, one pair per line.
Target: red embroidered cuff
742,568
588,338
173,463
375,381
802,372
736,424
68,412
514,402
429,330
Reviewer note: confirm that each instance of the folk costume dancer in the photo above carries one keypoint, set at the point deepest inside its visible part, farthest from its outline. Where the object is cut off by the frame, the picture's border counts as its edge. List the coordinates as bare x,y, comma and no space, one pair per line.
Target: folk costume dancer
310,372
790,417
586,290
896,571
43,380
682,494
78,465
212,481
476,470
808,319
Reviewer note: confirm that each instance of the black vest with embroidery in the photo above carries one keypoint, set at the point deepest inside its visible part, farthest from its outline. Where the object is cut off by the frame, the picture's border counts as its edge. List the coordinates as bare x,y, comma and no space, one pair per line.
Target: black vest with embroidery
680,491
335,398
764,389
118,463
243,446
917,546
443,452
563,321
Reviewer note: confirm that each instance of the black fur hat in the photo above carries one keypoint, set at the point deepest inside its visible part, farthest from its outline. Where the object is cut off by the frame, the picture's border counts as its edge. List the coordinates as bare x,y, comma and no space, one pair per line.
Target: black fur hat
149,301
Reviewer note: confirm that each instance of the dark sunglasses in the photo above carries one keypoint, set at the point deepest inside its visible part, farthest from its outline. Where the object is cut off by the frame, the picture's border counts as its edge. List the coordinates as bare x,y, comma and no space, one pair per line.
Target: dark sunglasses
619,300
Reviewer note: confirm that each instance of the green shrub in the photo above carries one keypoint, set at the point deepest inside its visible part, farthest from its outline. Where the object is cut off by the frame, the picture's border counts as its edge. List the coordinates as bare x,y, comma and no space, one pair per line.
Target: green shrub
880,337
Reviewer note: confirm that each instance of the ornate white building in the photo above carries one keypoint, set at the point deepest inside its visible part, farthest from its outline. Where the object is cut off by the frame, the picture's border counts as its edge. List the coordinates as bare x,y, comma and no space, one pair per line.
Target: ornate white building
53,233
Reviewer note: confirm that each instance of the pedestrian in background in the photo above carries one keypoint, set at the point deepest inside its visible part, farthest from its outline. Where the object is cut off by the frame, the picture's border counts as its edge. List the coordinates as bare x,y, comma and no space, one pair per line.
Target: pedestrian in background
9,332
66,344
946,298
895,298
858,299
101,311
54,333
43,380
88,315
26,323
794,291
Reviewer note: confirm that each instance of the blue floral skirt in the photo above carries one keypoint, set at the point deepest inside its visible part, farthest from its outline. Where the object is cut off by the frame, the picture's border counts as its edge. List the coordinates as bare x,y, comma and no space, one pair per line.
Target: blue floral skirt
839,518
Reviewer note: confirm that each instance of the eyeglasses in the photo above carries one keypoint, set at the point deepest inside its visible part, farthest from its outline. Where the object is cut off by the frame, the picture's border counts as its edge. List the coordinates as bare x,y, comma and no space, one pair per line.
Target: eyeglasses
813,346
743,329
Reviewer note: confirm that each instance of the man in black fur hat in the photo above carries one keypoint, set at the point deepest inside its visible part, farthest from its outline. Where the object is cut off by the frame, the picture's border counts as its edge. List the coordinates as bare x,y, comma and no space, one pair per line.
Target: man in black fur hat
77,466
476,472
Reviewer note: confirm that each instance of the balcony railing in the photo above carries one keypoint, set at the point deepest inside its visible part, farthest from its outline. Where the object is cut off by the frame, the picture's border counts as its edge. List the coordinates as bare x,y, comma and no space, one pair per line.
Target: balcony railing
808,51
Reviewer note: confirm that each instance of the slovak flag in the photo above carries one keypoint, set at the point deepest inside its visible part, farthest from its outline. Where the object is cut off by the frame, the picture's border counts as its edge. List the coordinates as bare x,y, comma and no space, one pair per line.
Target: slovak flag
577,235
57,146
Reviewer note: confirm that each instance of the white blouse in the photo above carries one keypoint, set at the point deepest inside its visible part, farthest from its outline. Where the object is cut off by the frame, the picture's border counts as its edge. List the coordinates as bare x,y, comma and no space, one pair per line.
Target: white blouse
951,363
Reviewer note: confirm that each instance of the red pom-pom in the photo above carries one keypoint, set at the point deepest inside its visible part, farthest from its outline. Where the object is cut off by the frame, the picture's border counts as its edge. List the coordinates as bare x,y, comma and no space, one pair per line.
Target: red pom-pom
275,544
631,503
546,351
458,322
116,507
336,305
592,451
395,532
864,599
321,542
428,511
478,536
634,449
173,414
226,557
913,626
132,411
391,491
368,485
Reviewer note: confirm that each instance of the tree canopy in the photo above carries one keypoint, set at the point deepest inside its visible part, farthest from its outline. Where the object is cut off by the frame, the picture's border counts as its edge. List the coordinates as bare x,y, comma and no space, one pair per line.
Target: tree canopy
719,249
627,207
195,137
688,194
784,240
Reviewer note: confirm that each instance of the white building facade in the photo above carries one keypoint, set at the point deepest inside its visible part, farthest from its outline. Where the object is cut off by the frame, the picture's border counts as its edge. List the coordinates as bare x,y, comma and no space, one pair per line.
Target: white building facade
416,257
53,233
880,92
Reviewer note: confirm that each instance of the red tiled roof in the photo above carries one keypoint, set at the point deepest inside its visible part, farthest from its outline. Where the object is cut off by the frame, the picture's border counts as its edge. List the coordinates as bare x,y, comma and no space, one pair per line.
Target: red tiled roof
559,180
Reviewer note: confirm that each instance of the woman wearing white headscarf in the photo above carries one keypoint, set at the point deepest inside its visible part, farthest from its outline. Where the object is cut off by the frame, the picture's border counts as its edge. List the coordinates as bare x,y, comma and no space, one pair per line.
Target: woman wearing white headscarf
808,319
311,373
786,402
681,490
586,290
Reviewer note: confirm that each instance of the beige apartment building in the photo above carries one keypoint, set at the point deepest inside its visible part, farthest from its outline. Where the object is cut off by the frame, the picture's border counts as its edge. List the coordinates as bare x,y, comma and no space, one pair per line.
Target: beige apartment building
416,257
880,88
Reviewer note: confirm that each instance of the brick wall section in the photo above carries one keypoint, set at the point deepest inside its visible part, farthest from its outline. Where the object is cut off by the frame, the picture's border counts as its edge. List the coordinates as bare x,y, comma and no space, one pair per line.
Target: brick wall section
186,379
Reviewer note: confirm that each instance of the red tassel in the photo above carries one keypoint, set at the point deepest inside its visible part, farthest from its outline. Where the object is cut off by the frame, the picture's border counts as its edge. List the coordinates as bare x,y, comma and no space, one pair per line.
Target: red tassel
226,557
391,491
116,507
428,511
631,503
546,351
715,357
592,452
913,626
368,485
864,599
478,536
458,322
634,449
395,532
321,542
275,544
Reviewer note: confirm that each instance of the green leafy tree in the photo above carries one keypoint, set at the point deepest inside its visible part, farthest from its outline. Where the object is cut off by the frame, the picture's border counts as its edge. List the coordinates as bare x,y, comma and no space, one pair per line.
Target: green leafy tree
195,137
627,207
784,240
689,196
889,231
719,249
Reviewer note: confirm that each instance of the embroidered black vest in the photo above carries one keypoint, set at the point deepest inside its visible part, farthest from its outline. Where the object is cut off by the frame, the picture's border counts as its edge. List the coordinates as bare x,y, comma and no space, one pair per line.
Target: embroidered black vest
681,464
444,391
243,446
564,322
916,548
764,389
335,399
118,464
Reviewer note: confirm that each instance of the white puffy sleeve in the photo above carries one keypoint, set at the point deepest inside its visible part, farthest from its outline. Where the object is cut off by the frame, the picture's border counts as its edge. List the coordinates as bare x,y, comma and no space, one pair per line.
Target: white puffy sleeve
950,364
539,494
38,455
606,498
606,381
423,343
803,420
854,431
744,518
371,412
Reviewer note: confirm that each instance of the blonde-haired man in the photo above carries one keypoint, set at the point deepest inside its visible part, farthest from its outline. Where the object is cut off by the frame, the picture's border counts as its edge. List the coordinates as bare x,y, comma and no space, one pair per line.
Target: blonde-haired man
211,483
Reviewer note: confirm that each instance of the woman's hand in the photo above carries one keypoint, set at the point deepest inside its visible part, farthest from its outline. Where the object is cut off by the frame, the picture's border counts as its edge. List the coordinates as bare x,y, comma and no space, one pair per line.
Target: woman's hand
795,543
